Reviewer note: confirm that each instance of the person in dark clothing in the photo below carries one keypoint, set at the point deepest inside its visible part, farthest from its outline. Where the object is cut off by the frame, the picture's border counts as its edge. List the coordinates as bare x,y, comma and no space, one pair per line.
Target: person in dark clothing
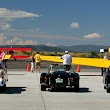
108,71
106,56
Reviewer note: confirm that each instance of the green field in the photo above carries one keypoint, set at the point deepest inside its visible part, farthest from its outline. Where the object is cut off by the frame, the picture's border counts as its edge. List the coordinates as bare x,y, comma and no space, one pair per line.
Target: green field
73,54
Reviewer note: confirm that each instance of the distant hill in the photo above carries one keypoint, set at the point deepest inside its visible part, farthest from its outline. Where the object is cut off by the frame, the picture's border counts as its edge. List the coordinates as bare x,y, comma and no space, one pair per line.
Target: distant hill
75,48
36,47
84,48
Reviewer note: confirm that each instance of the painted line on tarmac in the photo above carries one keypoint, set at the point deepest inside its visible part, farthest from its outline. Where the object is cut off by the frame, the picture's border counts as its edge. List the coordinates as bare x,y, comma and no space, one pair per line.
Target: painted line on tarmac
40,91
90,75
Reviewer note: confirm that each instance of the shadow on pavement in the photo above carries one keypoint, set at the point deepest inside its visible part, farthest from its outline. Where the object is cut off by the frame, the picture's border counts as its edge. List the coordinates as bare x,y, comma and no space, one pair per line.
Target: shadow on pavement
84,90
14,90
16,74
81,90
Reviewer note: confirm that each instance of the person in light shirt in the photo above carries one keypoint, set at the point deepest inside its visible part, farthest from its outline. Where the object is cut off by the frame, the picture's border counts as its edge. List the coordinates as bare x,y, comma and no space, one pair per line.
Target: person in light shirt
37,61
106,56
67,59
32,62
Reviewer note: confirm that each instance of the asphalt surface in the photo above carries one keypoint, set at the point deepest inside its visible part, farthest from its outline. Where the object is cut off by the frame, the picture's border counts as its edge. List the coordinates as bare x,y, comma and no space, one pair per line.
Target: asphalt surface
21,64
23,93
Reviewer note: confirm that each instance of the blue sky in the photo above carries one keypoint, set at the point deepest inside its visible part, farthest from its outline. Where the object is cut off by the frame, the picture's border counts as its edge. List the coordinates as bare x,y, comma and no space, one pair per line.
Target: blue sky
55,22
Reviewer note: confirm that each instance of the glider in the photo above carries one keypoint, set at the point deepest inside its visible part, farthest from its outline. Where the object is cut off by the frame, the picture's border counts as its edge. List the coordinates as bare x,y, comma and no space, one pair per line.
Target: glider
96,62
11,51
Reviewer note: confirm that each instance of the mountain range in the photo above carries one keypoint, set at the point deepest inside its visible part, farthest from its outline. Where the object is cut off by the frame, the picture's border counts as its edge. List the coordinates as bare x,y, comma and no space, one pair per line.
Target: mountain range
75,48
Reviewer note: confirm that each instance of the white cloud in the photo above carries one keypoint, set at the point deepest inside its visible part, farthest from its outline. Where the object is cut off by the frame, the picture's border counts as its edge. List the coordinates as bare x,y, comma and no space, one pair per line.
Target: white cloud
5,26
12,14
27,42
2,39
75,25
7,15
51,44
27,34
18,41
13,41
37,29
91,36
32,36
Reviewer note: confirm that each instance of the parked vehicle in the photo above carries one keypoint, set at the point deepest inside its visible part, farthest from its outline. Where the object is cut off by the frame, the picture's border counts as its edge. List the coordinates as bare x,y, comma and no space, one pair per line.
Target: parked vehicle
3,76
57,77
106,80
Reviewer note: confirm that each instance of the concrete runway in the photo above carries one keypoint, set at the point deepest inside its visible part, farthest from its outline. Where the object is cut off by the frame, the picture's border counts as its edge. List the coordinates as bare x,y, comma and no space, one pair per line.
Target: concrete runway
23,93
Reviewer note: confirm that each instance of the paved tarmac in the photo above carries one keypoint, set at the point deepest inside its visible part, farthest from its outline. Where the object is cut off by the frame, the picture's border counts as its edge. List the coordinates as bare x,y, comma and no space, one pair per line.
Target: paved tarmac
22,64
23,93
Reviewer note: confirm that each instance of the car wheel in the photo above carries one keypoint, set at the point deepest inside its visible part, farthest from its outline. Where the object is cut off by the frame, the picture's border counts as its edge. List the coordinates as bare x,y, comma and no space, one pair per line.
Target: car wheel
2,88
108,89
52,89
101,71
42,79
43,88
104,86
76,87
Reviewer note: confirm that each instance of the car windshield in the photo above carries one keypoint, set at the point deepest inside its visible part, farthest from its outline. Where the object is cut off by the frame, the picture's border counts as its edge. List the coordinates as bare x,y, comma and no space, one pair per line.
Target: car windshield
61,68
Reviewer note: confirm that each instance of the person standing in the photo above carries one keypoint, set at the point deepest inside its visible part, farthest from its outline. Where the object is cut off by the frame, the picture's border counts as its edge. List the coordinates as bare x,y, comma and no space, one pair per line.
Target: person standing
106,56
32,63
67,59
37,61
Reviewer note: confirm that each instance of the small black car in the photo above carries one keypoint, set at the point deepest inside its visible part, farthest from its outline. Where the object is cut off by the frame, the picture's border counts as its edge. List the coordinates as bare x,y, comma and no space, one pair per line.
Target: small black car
106,80
57,77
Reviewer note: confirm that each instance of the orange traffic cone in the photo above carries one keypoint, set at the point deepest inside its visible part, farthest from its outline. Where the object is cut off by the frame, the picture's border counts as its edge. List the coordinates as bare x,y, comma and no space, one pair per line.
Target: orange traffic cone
78,68
28,67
